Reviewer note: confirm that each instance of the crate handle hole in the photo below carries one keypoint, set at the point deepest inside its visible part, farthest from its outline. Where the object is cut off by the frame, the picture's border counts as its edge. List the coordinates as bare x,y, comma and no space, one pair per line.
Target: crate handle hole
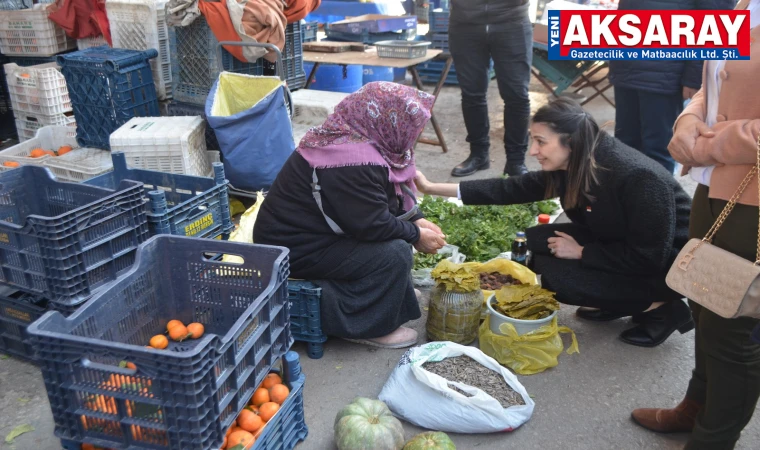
216,257
89,364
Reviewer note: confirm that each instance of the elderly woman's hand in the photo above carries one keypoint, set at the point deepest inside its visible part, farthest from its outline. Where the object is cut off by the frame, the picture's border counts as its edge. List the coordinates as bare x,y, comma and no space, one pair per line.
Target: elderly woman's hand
565,246
424,223
429,242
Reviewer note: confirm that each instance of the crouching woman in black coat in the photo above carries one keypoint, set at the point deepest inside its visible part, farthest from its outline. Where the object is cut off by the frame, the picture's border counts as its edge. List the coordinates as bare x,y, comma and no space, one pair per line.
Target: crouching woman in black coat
630,218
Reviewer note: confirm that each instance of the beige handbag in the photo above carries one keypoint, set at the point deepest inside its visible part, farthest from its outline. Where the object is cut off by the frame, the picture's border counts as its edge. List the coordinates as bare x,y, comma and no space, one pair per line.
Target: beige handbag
721,281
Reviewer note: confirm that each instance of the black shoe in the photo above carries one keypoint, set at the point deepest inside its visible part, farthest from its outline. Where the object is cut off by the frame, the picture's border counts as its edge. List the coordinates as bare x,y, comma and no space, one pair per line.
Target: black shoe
514,170
657,325
604,315
478,160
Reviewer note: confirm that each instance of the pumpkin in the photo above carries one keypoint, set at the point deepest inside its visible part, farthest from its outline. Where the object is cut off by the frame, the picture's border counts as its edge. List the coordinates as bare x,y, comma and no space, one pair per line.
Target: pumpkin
432,440
366,424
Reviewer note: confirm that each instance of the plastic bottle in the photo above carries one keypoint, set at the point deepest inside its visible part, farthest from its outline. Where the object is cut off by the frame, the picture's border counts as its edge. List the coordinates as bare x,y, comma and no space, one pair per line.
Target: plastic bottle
520,249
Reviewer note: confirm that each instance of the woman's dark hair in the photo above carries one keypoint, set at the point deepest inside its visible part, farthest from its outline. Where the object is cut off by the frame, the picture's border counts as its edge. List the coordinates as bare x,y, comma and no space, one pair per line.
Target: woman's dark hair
580,132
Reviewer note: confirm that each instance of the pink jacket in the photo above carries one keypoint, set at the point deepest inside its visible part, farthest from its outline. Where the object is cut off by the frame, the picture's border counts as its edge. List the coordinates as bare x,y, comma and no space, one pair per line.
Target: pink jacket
734,147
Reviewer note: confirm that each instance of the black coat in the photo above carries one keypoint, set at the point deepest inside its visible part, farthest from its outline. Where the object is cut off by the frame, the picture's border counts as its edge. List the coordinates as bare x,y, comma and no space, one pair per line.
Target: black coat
360,199
487,12
662,77
639,219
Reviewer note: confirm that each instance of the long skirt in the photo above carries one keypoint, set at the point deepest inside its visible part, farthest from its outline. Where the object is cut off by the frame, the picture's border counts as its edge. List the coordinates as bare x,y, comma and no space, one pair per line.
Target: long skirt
581,286
370,293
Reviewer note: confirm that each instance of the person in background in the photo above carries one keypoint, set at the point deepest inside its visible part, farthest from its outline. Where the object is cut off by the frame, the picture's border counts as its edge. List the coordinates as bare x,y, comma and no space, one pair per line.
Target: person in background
716,140
649,95
629,217
481,31
344,204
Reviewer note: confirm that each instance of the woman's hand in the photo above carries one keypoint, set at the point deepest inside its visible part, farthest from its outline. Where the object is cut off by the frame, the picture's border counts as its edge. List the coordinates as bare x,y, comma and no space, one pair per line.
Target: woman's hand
430,241
424,223
564,246
441,189
689,128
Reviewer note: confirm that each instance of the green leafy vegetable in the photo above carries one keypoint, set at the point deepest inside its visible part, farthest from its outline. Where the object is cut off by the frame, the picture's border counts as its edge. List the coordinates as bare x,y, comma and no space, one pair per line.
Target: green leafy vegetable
480,232
18,431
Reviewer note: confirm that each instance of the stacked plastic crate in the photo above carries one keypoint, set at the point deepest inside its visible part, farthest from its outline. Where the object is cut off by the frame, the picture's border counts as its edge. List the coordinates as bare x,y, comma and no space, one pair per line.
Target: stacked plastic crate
108,87
430,72
29,32
39,97
141,25
187,395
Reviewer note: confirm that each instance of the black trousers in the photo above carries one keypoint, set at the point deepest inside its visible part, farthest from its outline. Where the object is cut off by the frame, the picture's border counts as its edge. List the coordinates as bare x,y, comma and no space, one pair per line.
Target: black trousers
577,285
644,121
726,376
510,46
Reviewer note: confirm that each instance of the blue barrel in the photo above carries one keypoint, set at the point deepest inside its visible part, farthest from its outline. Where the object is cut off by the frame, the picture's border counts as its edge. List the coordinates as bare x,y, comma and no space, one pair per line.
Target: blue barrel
377,73
335,77
399,74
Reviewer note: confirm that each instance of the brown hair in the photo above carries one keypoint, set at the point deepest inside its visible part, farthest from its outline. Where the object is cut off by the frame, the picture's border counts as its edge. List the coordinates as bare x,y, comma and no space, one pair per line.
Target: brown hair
580,132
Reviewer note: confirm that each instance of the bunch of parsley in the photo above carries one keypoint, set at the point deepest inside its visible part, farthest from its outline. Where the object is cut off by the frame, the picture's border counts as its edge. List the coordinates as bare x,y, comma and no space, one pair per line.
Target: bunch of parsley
480,232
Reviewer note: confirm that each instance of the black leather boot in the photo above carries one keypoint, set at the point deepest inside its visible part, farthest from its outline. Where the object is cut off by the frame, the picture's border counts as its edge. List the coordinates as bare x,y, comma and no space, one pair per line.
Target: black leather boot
657,325
478,160
514,170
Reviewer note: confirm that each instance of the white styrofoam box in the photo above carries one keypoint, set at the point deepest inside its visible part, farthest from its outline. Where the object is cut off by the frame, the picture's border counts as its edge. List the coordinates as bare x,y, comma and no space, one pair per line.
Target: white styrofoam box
97,41
80,164
141,25
299,131
164,144
29,32
312,107
28,124
46,138
39,89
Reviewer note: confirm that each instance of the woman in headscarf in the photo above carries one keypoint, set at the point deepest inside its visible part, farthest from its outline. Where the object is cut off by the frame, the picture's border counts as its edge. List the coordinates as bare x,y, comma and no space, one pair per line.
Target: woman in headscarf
344,204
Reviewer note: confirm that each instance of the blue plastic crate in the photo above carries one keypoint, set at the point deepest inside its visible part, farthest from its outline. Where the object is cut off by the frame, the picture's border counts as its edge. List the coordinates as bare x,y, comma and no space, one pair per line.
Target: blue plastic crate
62,240
440,41
292,57
368,38
188,109
373,24
108,86
195,65
183,205
17,311
183,396
288,427
305,320
439,21
310,30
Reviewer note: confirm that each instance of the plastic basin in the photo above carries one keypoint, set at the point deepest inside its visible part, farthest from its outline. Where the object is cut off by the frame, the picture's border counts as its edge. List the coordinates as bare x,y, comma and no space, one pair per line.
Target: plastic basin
522,326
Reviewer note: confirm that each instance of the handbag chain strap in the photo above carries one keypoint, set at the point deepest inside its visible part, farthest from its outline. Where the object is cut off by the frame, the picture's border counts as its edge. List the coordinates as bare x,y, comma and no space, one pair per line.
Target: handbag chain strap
730,207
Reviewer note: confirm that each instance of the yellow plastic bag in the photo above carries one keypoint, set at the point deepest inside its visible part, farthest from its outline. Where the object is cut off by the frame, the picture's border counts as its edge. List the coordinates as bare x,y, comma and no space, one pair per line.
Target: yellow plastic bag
530,353
244,232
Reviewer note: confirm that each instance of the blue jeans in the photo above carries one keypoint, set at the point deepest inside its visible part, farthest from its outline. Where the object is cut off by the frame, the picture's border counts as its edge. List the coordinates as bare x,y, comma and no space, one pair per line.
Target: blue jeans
510,46
644,121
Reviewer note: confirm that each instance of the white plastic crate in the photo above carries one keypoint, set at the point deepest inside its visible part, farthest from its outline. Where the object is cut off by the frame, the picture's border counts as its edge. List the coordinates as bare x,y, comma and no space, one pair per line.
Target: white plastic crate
80,164
29,32
165,144
39,89
28,124
46,138
141,25
91,42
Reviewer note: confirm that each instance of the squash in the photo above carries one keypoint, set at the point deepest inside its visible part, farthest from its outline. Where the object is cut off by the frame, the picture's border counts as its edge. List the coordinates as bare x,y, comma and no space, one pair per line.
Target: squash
432,440
366,424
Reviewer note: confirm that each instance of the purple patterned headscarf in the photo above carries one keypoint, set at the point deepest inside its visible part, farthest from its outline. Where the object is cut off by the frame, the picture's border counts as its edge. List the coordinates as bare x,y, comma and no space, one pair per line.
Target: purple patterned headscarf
377,125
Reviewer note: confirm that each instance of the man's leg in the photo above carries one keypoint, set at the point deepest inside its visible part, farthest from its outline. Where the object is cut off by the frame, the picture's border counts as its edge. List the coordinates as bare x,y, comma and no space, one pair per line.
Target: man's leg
627,117
469,48
512,52
658,114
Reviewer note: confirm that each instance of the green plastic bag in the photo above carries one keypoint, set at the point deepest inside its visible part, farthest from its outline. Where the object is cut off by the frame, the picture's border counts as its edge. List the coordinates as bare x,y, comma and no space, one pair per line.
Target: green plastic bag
530,353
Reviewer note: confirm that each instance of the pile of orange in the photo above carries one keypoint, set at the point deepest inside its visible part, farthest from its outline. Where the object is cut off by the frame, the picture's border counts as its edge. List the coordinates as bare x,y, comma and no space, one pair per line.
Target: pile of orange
264,404
40,152
178,332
